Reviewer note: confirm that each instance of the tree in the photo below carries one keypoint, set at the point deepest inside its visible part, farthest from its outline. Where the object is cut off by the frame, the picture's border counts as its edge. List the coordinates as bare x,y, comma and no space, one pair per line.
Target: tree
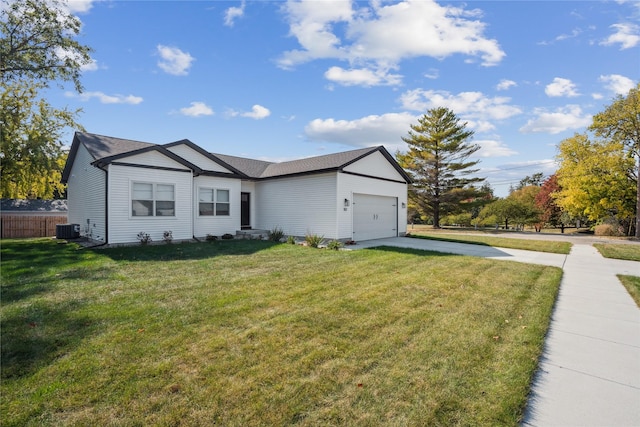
439,146
37,47
620,122
550,212
31,152
535,179
596,179
38,43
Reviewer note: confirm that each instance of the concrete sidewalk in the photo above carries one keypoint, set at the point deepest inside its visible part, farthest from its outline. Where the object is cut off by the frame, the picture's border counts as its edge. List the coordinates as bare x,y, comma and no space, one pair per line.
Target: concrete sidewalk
589,372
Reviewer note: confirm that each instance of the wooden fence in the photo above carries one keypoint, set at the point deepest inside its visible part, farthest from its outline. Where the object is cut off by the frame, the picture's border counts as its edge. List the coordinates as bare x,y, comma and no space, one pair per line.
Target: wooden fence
14,226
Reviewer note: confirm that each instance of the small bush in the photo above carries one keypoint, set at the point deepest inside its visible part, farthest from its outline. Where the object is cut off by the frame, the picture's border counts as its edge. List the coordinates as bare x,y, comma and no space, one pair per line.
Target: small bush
167,236
211,238
276,234
144,238
227,236
291,240
607,230
313,240
334,244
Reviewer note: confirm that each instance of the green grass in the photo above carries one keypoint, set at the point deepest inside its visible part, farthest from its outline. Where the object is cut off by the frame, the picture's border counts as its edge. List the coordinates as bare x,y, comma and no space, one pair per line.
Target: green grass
632,283
476,239
630,252
253,333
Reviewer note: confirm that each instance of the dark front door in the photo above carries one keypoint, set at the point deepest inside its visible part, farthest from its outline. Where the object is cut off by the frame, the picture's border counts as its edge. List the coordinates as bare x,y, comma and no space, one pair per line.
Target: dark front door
245,210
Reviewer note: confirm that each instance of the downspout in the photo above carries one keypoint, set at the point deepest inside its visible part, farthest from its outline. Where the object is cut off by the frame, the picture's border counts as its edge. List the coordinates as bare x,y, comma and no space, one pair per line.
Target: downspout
106,207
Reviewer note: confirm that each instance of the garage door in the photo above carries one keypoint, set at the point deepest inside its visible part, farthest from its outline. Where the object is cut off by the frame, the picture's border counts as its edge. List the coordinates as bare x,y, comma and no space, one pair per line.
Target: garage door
374,217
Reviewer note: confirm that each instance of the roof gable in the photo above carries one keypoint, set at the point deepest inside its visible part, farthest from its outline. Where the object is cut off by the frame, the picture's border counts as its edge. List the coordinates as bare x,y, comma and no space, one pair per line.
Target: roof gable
105,150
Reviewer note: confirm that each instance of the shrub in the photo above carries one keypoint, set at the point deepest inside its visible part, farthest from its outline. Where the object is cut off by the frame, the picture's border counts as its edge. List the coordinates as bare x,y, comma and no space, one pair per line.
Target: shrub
291,240
227,236
334,244
167,236
608,230
313,240
144,238
276,234
211,238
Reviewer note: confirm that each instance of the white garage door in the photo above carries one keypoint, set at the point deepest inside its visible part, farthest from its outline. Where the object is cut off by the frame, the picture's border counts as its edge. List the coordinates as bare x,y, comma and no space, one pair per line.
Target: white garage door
374,217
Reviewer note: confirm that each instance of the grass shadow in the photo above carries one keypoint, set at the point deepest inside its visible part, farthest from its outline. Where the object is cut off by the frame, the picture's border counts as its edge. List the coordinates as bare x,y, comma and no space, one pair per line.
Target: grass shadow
446,239
35,336
411,251
186,250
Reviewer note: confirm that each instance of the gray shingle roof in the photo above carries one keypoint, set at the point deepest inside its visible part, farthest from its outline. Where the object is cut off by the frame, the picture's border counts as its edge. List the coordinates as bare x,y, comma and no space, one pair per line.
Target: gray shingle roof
28,205
106,147
101,146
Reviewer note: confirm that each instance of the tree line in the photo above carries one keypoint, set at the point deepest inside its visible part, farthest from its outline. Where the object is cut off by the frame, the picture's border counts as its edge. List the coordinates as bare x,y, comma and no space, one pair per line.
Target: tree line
596,183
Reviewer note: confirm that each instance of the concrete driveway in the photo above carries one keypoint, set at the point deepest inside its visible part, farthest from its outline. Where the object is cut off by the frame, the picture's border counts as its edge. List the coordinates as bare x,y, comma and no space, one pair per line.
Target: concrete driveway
589,372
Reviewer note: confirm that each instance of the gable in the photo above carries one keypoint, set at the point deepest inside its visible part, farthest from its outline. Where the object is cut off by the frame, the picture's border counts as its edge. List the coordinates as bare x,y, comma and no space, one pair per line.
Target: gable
197,158
151,158
376,165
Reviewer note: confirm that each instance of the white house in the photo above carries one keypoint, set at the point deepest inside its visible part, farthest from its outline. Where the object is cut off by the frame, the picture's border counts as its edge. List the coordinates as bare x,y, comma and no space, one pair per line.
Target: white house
117,188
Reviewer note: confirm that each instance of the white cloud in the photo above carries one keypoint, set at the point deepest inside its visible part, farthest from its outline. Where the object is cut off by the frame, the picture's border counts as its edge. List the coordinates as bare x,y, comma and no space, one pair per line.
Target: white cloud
197,109
626,34
232,13
493,148
506,84
565,118
79,6
620,85
471,106
174,61
257,112
106,99
362,77
91,66
433,73
386,129
378,36
561,87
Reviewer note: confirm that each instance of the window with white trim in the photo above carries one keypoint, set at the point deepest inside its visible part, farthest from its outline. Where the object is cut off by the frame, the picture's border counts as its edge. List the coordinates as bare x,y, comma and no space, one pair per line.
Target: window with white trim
150,199
213,202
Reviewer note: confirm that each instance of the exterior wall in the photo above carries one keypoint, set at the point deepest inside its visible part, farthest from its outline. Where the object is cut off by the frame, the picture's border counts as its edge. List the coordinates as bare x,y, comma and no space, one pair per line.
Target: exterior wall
86,197
250,187
375,164
196,158
123,227
299,205
217,225
350,184
152,158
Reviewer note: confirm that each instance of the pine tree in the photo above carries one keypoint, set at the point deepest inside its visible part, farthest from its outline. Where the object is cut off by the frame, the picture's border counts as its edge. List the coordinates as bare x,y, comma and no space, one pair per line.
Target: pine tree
437,160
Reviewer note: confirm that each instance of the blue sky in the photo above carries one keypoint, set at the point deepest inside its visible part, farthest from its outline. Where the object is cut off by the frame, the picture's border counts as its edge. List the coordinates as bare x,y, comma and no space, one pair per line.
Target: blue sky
279,80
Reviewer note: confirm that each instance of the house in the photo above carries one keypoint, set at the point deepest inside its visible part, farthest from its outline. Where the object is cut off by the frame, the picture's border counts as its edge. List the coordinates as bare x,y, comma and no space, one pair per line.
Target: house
118,188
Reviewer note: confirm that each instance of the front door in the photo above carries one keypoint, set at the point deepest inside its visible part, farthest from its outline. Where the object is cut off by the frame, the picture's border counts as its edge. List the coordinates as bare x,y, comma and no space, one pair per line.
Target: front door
245,211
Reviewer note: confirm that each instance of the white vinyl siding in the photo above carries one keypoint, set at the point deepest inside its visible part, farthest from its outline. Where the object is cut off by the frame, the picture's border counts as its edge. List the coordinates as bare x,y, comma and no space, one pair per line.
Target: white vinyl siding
86,196
124,227
152,158
349,185
375,164
196,158
299,205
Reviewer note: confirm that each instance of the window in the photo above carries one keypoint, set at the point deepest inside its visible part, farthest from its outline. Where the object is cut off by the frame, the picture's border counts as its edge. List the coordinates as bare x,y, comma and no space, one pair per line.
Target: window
212,201
153,199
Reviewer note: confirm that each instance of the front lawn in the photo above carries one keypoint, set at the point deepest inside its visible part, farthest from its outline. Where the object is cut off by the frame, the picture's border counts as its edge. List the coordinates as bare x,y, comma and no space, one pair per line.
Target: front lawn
252,333
632,284
502,242
625,251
